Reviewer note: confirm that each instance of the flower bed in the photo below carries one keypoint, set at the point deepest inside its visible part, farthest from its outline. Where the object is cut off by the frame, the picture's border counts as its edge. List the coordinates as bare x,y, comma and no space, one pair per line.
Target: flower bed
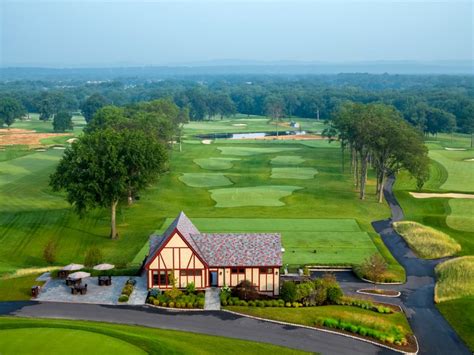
176,298
380,292
127,290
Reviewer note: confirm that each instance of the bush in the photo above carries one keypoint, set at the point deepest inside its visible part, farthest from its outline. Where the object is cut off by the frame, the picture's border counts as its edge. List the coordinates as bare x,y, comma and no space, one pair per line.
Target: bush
243,303
154,292
288,304
156,302
191,287
49,252
174,293
334,293
171,304
288,291
200,303
164,304
252,303
245,290
93,257
189,305
179,305
224,303
295,304
123,298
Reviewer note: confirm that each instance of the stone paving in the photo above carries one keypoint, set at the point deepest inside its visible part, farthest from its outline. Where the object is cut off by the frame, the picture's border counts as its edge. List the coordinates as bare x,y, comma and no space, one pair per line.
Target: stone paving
212,300
138,296
57,291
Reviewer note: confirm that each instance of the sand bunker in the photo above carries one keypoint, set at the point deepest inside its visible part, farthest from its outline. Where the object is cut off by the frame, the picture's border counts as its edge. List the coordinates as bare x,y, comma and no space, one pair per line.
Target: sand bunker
305,137
72,140
455,148
471,159
239,124
206,141
18,136
441,195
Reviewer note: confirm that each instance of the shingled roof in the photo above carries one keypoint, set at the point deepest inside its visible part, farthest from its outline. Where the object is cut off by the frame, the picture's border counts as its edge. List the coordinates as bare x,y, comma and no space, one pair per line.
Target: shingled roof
259,249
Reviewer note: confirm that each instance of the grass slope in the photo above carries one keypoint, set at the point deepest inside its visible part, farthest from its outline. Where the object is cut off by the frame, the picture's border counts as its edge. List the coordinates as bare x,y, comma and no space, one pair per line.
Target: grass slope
459,314
215,163
246,151
205,179
287,160
293,173
460,172
427,242
462,215
17,288
114,339
455,279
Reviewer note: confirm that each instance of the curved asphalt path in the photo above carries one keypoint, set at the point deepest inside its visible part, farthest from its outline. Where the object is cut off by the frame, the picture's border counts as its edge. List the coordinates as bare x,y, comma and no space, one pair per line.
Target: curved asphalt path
206,322
434,334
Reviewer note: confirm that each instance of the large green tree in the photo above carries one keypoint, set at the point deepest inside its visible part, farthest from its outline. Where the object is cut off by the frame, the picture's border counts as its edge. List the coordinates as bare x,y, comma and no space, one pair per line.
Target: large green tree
90,106
10,109
62,121
108,166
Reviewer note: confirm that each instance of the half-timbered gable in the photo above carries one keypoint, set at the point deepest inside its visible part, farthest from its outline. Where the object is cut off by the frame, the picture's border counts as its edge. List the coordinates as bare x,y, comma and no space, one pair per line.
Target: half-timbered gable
213,259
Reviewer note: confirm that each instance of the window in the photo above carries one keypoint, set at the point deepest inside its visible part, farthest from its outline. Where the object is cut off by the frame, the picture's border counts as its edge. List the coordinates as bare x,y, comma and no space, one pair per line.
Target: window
155,278
163,278
264,270
237,271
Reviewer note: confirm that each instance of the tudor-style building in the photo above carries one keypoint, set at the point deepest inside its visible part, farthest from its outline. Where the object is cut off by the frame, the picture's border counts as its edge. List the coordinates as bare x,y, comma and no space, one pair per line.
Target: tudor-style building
213,260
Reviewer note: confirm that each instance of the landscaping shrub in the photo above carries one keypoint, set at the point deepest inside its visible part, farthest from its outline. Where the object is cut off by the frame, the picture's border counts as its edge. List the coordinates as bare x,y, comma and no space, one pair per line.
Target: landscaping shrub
191,287
373,268
171,304
245,290
252,303
288,304
156,302
49,252
123,298
200,303
164,304
174,293
288,291
334,293
93,256
189,305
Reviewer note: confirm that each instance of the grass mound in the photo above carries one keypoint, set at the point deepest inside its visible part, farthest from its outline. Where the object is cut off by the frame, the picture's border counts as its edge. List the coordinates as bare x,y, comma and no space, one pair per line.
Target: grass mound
427,242
455,279
462,215
215,163
33,341
252,196
287,160
205,179
457,313
247,151
293,173
22,335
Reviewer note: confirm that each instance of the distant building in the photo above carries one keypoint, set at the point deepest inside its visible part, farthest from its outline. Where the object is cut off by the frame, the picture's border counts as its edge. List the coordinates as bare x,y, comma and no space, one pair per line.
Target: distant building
213,260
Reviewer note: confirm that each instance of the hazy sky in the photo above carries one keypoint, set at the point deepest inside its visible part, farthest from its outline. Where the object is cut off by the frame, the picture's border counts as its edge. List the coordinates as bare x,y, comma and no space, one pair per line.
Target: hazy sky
104,33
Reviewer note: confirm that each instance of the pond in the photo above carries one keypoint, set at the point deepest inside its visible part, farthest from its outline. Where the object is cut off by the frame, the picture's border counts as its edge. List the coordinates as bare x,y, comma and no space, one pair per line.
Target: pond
251,135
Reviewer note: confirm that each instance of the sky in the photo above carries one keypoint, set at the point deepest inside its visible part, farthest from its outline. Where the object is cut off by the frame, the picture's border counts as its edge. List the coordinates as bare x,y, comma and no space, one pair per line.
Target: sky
129,33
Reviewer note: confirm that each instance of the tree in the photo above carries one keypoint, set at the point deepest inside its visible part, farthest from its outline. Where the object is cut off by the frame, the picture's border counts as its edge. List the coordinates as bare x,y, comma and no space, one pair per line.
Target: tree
49,251
62,121
45,108
181,119
288,291
91,105
93,257
275,108
373,268
10,109
245,290
106,166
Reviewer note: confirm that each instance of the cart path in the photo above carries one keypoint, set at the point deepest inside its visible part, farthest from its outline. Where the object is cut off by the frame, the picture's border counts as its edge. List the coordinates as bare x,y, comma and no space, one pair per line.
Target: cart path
205,322
435,335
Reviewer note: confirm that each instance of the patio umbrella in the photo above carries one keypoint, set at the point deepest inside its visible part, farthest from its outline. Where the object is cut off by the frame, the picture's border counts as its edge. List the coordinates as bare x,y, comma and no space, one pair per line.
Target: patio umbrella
79,275
73,267
104,267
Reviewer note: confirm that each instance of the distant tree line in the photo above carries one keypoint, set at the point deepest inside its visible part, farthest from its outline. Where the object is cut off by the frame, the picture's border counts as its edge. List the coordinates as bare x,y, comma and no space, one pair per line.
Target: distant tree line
434,103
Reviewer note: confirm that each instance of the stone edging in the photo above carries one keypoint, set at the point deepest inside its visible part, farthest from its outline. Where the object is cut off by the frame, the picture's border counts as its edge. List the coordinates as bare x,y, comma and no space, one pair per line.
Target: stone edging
176,309
325,331
382,283
379,294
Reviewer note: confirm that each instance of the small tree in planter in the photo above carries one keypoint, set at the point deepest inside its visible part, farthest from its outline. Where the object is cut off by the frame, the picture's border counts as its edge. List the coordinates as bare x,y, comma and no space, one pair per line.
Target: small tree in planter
288,291
373,268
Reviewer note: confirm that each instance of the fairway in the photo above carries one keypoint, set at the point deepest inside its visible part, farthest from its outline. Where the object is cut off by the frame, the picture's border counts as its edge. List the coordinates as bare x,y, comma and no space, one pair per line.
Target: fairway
252,196
246,151
216,163
287,160
293,173
462,215
306,241
205,179
460,172
53,341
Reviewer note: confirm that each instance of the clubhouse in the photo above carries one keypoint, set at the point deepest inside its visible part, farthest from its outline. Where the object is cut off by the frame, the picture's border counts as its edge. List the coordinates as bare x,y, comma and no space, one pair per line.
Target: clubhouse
213,260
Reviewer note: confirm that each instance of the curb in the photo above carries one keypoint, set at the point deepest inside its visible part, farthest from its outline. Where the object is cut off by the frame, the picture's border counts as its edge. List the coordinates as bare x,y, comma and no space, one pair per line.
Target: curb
378,295
326,331
177,309
382,283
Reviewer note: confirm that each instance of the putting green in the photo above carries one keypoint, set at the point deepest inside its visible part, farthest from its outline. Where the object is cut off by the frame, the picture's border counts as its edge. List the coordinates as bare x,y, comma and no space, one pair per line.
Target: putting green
462,215
246,151
287,160
61,341
252,196
215,163
293,173
205,179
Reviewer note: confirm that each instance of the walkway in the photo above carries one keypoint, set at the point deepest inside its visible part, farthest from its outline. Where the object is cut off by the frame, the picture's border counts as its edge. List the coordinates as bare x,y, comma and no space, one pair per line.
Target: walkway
140,291
212,301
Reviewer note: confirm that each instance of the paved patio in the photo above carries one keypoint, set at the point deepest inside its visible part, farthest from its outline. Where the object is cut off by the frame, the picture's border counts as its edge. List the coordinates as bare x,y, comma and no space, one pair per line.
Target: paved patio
57,291
212,301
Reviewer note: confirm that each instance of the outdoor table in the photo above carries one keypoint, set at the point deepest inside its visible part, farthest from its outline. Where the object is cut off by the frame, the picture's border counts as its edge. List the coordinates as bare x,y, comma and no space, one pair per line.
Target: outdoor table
79,289
62,274
73,282
105,280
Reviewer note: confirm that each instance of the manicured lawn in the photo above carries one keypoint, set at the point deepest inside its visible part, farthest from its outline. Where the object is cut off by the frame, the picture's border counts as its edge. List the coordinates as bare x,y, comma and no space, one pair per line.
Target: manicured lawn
459,314
216,163
48,336
17,288
460,172
287,160
462,215
427,242
267,196
455,279
205,179
245,151
293,173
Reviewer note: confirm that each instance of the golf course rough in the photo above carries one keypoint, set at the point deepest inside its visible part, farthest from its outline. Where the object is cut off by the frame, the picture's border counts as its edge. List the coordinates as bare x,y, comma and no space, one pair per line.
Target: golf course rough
216,163
267,196
286,160
205,179
293,173
247,151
